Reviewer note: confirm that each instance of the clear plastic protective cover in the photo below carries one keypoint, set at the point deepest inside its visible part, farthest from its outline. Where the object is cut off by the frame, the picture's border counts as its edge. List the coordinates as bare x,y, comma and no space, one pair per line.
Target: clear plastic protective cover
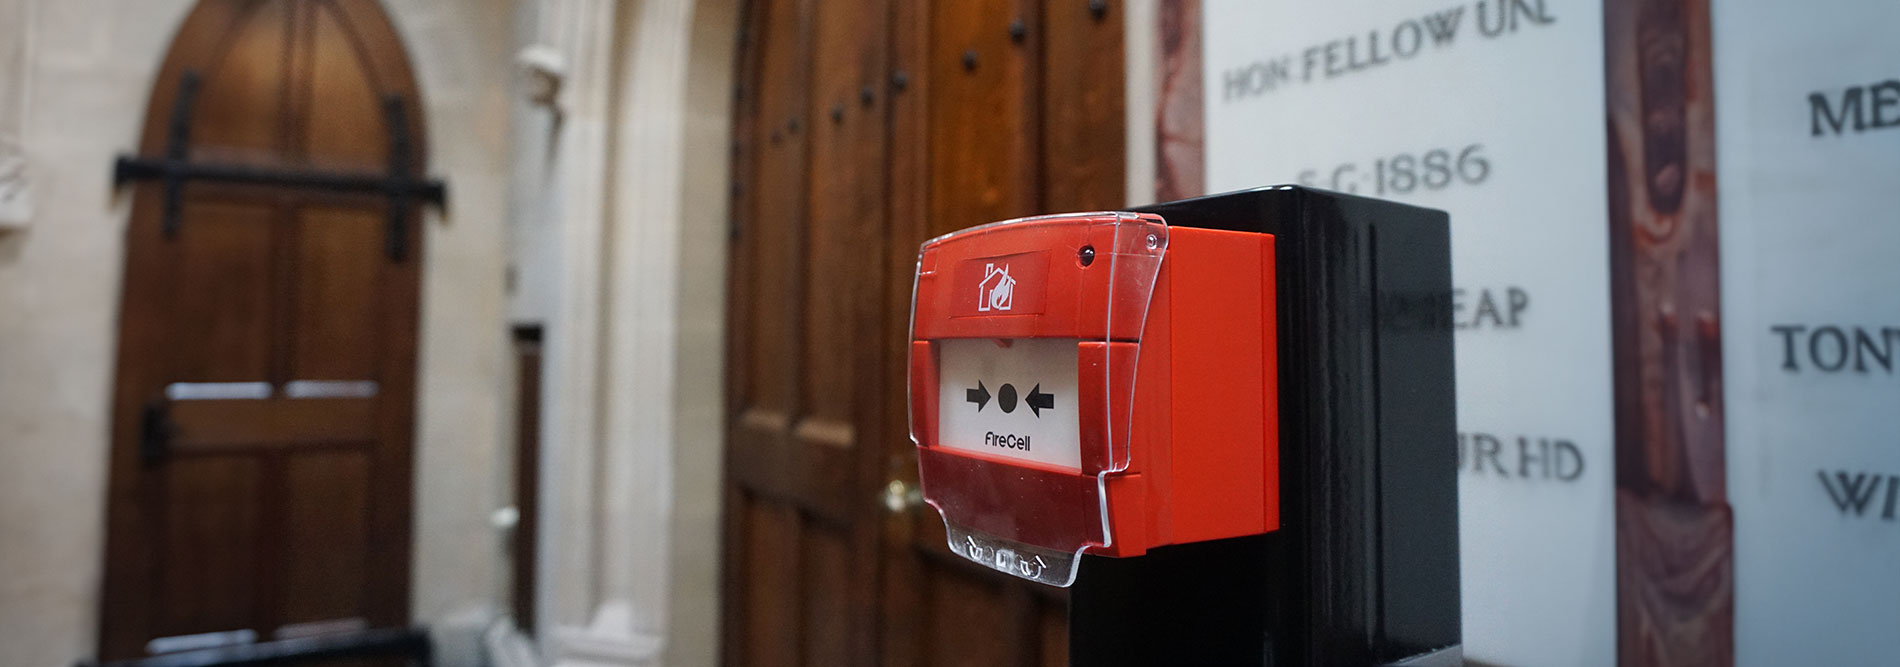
1024,341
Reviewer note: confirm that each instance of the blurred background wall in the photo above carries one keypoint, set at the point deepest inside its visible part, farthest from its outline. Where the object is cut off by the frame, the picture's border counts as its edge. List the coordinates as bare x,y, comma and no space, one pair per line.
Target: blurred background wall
90,71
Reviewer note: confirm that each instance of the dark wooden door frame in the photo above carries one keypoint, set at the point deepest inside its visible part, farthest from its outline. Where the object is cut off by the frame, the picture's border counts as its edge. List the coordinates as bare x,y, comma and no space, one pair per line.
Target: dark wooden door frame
525,537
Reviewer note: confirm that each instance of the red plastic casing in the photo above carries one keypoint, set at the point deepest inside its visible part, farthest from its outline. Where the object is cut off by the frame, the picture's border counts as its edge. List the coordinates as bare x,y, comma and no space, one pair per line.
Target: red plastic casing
1203,425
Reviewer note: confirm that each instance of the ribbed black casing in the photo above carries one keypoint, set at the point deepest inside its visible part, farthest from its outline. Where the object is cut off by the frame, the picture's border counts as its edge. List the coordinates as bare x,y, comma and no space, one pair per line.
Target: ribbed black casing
1364,570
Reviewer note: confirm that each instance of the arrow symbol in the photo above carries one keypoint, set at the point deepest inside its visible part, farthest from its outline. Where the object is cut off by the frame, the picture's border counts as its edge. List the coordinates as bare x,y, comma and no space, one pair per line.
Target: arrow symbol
1039,401
979,396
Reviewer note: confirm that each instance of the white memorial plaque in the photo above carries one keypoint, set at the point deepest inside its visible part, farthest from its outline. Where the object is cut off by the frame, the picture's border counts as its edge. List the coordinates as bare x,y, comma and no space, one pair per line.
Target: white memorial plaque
1808,142
1494,112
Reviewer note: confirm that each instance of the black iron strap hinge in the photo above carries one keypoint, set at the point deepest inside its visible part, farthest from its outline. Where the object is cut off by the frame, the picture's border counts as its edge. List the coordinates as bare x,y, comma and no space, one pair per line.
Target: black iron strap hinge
400,183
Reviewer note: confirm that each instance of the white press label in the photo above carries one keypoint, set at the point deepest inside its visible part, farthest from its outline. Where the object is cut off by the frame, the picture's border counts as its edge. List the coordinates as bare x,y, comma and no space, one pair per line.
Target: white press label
1012,398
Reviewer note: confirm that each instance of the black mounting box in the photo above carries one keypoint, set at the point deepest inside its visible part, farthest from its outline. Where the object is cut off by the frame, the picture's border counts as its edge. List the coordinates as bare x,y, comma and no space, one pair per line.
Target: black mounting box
1364,569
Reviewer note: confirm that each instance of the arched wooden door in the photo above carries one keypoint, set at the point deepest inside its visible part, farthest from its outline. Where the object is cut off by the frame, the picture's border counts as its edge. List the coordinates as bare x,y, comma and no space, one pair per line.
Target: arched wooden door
263,415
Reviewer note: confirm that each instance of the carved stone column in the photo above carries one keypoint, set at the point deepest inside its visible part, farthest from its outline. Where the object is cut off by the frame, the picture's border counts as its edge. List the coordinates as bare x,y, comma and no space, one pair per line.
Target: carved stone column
617,74
573,66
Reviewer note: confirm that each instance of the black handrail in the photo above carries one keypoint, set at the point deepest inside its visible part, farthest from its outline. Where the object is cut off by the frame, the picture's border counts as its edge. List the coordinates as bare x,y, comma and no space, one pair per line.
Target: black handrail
411,643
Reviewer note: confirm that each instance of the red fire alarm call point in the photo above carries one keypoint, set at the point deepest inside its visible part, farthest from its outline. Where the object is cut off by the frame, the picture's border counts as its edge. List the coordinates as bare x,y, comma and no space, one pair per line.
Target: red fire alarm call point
1094,383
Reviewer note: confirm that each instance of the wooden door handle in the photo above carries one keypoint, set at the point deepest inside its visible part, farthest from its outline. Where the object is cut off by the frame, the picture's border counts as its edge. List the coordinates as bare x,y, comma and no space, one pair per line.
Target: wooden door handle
899,496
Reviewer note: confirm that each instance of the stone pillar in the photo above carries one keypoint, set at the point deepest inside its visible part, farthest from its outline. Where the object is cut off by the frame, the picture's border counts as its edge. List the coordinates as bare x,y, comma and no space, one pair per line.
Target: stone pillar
611,394
580,35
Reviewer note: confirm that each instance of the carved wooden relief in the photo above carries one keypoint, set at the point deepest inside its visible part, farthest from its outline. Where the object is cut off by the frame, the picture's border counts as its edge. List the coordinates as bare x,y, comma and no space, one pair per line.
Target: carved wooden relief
1675,541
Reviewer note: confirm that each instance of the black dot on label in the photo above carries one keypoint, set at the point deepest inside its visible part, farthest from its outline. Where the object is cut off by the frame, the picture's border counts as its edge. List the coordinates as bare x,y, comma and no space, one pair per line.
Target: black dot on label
1006,398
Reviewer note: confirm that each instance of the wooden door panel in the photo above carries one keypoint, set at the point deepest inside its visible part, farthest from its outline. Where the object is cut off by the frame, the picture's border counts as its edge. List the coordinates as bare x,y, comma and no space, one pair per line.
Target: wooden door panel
241,103
965,628
1083,109
221,322
977,617
807,288
324,564
1052,634
1028,623
771,469
220,425
982,165
212,528
846,206
336,294
771,233
770,615
374,35
827,559
349,117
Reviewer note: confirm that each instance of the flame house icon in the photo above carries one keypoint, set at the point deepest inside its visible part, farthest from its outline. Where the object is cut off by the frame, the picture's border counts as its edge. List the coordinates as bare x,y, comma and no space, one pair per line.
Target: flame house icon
997,289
